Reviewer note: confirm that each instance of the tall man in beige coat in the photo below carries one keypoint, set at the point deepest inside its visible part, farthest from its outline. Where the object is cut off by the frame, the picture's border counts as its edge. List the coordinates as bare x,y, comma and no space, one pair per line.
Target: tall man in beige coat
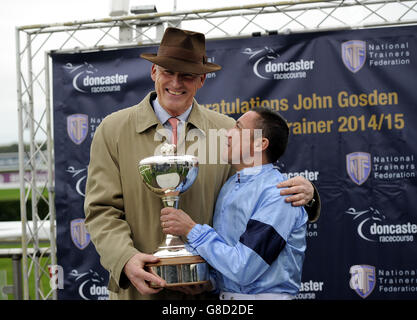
122,215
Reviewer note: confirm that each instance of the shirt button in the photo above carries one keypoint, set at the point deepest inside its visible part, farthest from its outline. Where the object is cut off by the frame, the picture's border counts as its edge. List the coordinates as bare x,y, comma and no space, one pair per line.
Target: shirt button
232,298
222,296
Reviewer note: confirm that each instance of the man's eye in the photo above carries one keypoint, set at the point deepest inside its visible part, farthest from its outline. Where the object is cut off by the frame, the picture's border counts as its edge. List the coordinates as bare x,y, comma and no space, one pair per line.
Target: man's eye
188,77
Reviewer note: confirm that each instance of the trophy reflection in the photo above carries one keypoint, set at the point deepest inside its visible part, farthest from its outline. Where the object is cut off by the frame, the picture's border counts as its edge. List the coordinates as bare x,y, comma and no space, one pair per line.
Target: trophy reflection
169,175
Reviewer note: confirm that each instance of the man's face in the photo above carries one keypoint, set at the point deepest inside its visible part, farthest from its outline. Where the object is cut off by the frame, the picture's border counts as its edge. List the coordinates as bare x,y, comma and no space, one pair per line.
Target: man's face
240,140
175,90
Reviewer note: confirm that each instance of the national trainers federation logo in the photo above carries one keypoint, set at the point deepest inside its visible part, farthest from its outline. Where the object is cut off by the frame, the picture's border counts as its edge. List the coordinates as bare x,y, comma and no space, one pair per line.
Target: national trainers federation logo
79,235
354,54
77,127
358,166
362,279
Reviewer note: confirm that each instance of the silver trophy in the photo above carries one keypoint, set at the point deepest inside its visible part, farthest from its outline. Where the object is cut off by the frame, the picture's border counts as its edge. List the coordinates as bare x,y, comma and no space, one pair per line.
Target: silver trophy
168,176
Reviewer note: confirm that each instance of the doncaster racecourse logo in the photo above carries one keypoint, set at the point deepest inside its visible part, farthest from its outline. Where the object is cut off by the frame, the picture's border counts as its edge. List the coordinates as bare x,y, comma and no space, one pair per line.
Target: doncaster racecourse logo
358,166
269,65
305,173
91,286
367,219
362,279
373,226
87,79
80,175
354,54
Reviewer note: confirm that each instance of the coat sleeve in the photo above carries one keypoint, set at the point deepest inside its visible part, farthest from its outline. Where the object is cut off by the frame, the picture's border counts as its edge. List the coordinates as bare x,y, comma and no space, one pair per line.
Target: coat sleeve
104,207
314,211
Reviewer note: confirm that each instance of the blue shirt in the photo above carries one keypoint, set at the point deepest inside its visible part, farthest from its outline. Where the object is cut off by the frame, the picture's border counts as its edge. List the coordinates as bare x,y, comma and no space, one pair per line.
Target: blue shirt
258,240
163,117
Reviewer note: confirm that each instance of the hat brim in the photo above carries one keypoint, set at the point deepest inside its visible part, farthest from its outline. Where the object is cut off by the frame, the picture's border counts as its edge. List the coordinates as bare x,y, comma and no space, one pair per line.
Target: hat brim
178,65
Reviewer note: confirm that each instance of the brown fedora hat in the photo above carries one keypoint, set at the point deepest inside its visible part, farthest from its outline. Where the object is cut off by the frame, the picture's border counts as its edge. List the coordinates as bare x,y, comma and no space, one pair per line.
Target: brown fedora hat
182,51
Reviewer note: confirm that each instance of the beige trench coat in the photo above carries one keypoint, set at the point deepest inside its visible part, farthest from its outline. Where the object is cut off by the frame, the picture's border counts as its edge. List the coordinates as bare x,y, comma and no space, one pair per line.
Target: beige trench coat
122,215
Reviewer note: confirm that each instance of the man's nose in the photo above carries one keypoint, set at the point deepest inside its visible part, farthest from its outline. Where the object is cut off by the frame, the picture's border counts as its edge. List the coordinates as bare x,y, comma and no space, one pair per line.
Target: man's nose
176,80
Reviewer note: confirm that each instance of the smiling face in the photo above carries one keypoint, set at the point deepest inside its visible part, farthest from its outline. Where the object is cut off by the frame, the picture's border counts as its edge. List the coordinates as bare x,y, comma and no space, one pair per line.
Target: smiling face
175,90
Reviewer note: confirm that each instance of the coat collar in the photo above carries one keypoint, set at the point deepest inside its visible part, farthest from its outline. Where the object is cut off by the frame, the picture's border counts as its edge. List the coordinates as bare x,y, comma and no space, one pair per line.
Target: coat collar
146,117
197,117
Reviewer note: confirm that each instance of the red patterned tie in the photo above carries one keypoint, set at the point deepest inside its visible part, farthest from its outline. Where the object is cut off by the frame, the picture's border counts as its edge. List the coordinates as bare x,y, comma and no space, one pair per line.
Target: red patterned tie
174,123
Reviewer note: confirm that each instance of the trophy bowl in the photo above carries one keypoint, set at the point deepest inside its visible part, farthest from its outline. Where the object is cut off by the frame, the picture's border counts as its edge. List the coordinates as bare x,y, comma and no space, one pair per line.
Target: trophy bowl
168,176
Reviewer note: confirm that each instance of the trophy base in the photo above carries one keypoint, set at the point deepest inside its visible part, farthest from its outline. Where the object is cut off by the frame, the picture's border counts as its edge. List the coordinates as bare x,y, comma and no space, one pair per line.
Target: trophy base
181,271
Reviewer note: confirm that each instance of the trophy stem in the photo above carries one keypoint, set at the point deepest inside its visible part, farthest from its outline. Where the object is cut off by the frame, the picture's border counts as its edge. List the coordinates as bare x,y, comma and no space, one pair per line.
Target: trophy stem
171,242
170,201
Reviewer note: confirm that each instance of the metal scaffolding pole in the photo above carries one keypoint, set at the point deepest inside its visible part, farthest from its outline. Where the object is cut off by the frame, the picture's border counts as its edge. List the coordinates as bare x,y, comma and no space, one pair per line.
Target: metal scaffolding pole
51,189
23,214
34,198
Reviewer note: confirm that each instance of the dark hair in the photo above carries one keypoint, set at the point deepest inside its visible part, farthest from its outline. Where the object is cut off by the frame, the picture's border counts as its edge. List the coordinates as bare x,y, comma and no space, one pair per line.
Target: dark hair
275,129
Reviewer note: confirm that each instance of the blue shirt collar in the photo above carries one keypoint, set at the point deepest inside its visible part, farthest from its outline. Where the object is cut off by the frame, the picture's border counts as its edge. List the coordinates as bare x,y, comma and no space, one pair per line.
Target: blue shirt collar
250,173
163,115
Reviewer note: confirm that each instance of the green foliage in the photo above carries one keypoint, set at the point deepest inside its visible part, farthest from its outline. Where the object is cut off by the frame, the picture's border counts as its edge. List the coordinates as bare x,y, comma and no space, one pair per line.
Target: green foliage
10,206
9,194
10,210
15,147
10,148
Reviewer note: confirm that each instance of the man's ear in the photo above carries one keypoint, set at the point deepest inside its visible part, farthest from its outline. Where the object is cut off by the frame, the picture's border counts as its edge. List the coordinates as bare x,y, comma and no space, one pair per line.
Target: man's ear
265,144
261,144
153,72
202,80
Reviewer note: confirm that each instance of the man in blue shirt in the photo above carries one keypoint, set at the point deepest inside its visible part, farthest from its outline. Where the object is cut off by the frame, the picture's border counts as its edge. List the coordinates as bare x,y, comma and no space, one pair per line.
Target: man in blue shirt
257,242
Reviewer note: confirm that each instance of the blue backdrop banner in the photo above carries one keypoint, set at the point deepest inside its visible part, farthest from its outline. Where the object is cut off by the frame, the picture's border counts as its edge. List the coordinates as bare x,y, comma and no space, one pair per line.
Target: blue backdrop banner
350,101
